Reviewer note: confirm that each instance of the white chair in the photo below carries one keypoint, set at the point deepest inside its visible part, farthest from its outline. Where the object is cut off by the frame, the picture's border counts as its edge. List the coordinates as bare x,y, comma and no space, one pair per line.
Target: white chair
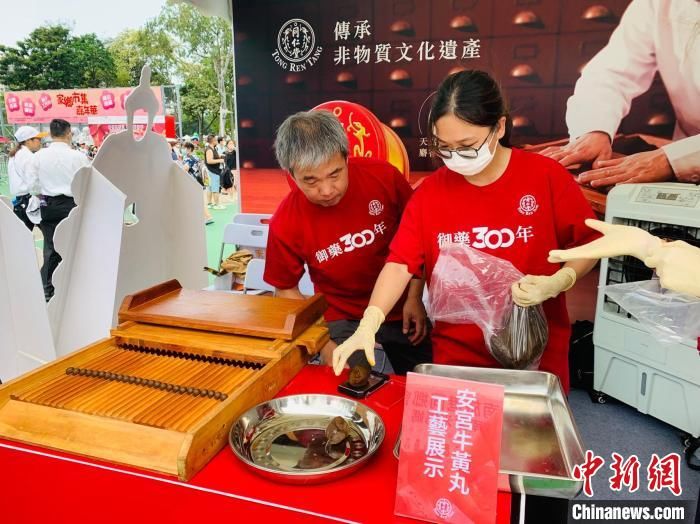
246,236
254,283
252,219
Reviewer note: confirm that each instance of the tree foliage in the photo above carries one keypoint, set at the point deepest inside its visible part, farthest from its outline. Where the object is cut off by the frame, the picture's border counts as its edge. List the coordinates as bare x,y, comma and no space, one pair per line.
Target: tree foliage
203,45
181,45
51,58
132,48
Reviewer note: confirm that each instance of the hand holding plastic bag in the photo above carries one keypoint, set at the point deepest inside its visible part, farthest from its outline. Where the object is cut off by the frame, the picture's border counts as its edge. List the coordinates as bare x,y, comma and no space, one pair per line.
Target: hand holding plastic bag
472,287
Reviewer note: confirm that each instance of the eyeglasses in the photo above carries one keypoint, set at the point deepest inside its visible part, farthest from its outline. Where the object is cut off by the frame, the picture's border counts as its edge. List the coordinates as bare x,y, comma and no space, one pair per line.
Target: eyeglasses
464,152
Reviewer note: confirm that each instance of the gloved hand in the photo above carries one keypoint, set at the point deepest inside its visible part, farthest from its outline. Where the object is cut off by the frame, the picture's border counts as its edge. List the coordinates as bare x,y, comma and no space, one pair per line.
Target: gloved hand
363,338
678,266
617,240
533,290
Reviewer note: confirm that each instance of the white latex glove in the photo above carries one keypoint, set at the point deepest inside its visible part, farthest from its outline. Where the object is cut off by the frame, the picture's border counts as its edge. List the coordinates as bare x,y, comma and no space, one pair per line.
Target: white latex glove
363,338
533,290
678,266
617,240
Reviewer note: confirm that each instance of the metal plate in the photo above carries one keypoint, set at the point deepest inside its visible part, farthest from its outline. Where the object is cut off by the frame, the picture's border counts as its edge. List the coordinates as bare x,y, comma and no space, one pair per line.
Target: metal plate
540,443
284,438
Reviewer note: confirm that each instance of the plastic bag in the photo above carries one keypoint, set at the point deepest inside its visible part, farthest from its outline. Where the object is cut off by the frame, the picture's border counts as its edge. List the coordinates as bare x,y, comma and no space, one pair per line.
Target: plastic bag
472,287
667,315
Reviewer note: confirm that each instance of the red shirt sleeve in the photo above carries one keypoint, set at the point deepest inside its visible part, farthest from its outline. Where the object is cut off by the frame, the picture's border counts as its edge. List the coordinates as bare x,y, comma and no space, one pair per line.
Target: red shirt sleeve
284,264
571,209
407,246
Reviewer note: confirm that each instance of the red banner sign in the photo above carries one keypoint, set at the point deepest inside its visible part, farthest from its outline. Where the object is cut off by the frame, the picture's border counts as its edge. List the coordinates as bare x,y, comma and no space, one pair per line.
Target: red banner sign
74,105
450,450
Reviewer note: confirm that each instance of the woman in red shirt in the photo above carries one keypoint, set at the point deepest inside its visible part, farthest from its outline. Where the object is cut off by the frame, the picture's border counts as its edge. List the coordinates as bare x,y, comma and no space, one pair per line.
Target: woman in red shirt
507,202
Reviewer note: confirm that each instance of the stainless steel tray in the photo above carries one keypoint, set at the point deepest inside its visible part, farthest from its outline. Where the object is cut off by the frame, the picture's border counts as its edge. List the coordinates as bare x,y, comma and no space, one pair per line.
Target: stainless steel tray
284,439
540,444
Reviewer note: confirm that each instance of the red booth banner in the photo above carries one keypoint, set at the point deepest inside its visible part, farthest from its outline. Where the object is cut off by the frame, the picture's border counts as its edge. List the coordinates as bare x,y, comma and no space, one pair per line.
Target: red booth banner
76,106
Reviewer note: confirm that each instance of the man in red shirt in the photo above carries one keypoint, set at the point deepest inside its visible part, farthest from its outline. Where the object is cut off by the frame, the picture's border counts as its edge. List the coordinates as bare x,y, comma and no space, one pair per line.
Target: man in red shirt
339,220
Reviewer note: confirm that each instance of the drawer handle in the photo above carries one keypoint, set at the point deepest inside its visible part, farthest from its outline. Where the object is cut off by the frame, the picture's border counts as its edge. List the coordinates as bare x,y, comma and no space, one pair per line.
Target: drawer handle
400,76
526,18
294,79
402,27
345,78
660,120
523,71
247,123
597,13
244,80
462,23
522,122
398,123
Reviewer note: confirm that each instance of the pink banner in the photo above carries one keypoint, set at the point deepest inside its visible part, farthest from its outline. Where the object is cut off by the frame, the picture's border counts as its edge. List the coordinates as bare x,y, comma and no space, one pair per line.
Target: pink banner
73,105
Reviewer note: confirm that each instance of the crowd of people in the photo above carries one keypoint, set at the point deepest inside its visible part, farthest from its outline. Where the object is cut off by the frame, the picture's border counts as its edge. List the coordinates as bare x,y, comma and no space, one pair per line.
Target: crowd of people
214,165
41,176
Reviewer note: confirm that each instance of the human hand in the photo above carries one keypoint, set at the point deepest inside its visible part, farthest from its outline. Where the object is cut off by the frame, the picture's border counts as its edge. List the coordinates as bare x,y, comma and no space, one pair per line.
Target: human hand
678,266
617,240
415,320
591,147
363,338
532,290
649,166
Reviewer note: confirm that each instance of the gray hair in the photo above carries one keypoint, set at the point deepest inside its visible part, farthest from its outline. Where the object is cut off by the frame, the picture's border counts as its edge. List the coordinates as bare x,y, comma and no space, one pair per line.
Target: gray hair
308,139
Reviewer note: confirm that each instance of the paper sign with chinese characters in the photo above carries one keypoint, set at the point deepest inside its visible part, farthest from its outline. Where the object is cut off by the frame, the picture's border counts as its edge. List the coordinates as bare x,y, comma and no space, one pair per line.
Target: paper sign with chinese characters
450,450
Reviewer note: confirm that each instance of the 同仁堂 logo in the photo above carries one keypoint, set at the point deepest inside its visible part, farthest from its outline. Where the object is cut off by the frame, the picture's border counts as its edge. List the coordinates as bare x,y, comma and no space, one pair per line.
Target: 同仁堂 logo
443,508
528,205
375,208
296,46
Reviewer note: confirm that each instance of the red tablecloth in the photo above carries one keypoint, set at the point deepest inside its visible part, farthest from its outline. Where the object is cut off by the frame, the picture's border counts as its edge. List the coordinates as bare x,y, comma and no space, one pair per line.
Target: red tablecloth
38,485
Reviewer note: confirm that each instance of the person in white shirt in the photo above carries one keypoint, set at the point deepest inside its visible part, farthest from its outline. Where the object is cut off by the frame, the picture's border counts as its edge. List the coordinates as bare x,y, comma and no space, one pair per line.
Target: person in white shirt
19,172
54,167
653,36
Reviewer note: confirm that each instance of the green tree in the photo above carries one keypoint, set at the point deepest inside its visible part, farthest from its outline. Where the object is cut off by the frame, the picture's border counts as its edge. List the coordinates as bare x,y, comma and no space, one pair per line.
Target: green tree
199,99
207,42
132,48
50,58
94,60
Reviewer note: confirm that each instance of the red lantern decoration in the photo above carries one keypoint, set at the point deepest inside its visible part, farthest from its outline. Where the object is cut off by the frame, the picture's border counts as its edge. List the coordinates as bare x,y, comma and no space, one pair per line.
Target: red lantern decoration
12,102
367,136
45,101
122,97
107,100
28,107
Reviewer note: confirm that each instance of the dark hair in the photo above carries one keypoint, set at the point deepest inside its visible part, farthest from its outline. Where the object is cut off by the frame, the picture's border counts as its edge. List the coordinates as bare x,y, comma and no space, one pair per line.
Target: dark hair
210,138
15,149
189,145
472,96
59,128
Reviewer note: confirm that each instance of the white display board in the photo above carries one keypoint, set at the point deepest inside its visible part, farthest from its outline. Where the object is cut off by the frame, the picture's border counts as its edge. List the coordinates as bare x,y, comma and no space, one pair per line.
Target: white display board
25,335
168,238
85,282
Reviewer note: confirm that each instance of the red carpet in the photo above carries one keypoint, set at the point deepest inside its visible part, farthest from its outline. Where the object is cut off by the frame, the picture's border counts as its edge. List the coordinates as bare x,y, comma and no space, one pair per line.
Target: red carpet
263,189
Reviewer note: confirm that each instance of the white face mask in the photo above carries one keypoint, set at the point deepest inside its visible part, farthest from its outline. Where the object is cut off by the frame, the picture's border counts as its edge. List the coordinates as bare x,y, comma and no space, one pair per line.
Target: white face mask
471,166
